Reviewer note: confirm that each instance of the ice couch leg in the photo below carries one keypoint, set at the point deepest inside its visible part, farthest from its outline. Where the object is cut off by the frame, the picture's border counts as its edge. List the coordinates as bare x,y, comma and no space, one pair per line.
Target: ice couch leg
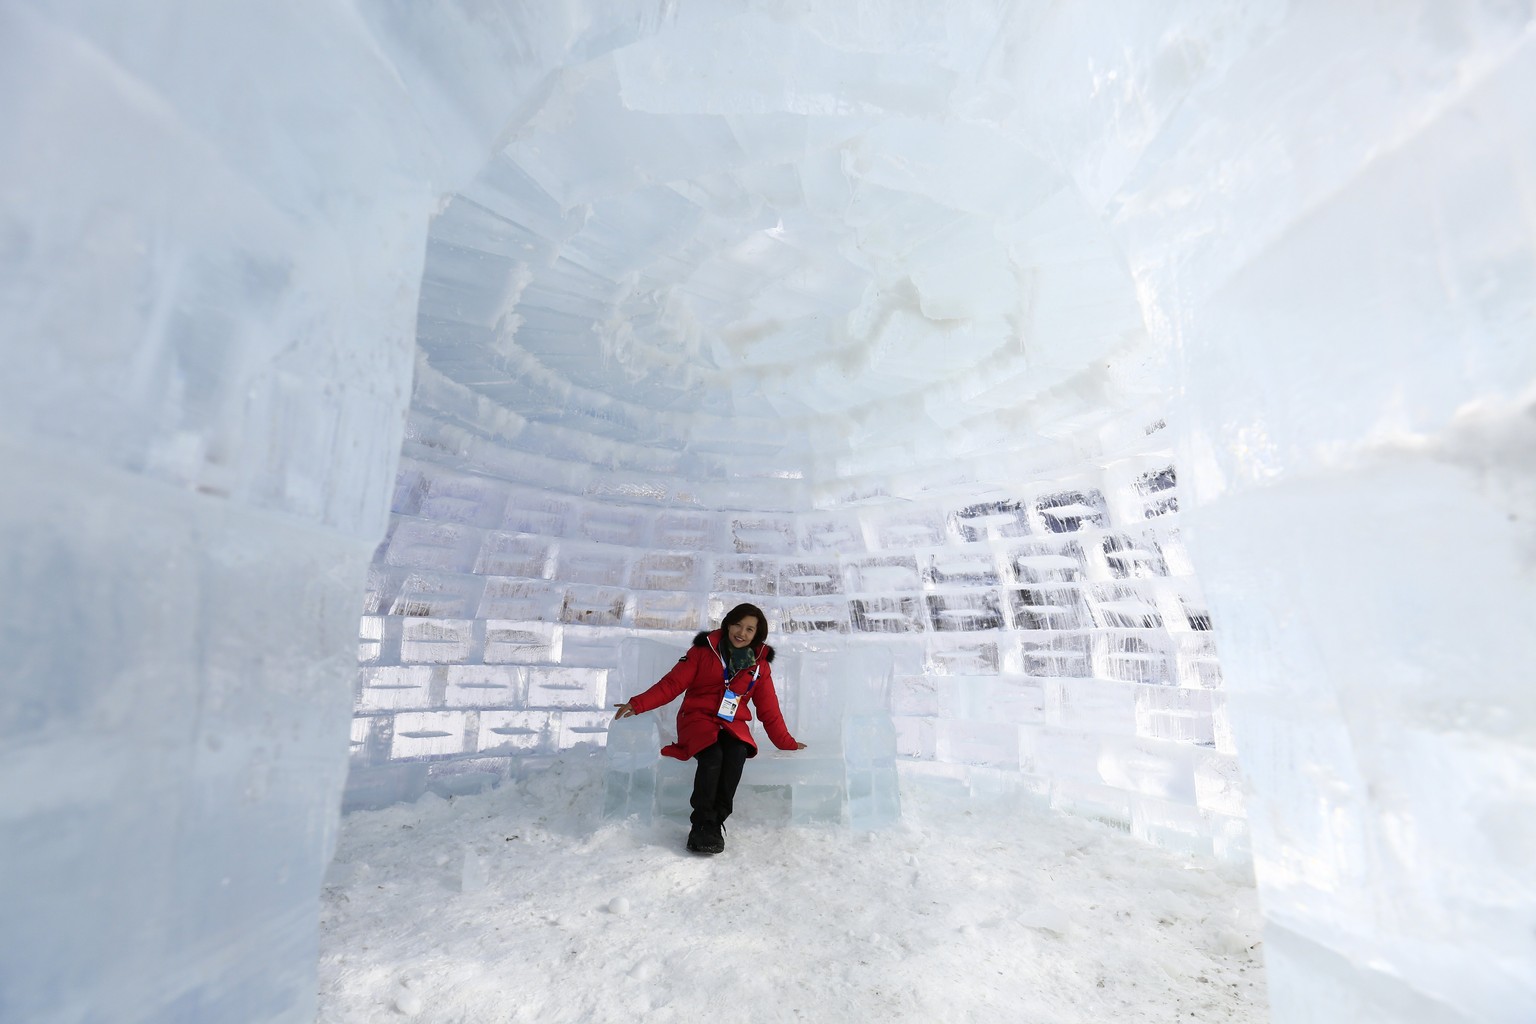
629,785
854,785
869,762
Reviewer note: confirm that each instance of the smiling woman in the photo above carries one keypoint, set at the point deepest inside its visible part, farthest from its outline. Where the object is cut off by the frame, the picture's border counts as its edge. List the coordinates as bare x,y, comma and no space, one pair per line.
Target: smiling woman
722,673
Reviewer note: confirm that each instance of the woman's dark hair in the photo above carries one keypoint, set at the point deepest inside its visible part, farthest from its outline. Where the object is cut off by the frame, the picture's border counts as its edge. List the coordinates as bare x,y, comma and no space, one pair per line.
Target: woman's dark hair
740,612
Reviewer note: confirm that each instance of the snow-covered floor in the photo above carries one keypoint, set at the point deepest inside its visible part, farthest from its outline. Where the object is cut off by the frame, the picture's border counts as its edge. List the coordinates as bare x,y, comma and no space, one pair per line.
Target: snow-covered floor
951,916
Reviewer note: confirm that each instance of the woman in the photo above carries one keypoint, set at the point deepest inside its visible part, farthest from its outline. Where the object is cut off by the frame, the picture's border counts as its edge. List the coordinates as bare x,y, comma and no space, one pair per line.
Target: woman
721,672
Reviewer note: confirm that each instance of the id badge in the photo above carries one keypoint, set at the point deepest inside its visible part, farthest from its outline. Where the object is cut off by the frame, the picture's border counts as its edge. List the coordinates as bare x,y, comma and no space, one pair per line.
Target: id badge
728,706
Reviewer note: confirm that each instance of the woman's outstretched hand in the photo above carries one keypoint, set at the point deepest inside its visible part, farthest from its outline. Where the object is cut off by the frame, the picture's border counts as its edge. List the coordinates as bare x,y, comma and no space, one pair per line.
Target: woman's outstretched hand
625,711
799,745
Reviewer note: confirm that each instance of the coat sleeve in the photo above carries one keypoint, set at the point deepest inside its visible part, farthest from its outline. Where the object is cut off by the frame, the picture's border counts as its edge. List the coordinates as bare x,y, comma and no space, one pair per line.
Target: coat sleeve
666,689
767,701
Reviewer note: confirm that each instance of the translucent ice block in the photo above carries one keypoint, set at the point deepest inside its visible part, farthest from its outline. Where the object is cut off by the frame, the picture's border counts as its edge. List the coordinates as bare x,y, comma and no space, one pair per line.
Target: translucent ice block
815,803
633,751
869,754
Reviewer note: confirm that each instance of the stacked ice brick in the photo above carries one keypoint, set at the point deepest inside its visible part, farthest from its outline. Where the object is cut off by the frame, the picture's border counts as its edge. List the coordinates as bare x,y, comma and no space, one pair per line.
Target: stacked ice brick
1069,655
1052,643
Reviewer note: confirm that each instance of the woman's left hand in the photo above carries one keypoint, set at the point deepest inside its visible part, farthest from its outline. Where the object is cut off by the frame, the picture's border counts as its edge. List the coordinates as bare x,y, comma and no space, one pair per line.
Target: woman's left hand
799,745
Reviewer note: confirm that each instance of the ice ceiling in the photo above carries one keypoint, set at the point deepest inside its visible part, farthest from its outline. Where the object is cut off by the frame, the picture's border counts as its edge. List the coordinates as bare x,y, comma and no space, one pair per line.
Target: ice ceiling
735,247
864,260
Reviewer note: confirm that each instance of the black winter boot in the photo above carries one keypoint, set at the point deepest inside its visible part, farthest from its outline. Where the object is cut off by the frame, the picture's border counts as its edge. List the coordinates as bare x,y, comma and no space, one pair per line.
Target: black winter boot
704,839
715,839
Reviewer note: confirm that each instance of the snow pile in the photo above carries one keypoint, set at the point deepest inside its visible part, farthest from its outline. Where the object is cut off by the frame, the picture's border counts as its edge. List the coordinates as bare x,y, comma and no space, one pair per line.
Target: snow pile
1019,915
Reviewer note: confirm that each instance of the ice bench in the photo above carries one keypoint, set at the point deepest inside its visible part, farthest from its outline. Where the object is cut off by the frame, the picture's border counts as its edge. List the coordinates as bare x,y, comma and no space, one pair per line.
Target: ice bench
850,780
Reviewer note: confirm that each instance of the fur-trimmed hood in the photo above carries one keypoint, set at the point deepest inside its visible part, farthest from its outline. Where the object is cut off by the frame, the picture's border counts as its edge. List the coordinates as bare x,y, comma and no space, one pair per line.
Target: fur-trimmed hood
764,651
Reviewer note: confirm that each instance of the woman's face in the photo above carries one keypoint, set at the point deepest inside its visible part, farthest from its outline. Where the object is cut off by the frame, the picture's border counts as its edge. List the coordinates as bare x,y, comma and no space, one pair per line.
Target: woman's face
741,633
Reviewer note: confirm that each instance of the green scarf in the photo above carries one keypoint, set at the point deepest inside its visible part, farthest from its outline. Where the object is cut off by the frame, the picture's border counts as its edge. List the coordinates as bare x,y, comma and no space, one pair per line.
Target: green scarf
737,657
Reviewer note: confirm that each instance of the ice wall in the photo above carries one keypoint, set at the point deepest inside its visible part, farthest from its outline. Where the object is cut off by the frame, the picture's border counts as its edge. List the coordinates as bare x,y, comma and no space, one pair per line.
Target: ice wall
205,366
1354,309
1339,242
1052,644
212,223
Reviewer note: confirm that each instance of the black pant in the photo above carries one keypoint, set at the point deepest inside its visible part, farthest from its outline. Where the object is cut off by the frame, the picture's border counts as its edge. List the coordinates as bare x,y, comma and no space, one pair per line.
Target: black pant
716,778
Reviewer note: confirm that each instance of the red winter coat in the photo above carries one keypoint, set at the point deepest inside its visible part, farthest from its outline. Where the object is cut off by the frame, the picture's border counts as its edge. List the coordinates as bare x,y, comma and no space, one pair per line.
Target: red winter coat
700,676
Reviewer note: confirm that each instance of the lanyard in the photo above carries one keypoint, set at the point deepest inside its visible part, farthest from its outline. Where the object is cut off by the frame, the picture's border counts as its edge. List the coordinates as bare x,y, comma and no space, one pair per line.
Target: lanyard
725,669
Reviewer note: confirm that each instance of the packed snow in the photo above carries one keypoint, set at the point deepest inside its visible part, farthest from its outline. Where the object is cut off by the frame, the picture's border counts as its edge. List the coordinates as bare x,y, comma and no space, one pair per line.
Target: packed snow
523,904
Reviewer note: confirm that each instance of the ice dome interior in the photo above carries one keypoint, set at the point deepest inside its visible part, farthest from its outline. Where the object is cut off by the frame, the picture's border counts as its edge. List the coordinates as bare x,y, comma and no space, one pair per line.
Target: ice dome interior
1123,408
